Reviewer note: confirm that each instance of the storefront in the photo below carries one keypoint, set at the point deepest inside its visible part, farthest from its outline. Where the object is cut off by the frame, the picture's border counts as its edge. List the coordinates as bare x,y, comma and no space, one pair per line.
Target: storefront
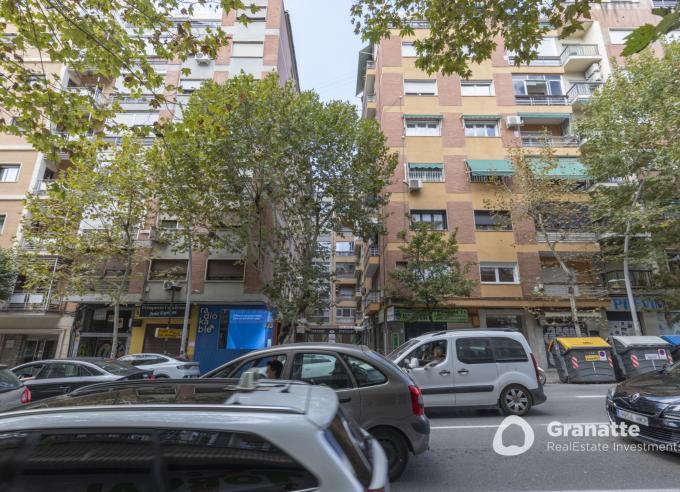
650,312
157,328
334,334
93,334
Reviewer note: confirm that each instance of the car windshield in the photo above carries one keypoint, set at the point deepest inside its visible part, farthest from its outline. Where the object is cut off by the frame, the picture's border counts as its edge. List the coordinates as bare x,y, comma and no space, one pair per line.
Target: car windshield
114,366
8,381
402,349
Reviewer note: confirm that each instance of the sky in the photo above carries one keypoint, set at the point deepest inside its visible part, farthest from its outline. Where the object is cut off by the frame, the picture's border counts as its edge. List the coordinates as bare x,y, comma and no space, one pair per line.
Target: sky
326,47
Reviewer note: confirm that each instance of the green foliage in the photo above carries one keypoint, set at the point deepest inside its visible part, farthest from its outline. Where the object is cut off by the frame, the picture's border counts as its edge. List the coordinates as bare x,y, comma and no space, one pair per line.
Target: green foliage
464,32
102,39
630,129
8,273
433,273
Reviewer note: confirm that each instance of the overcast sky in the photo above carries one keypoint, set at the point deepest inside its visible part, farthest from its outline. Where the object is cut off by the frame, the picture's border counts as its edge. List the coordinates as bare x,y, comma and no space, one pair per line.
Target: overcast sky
325,46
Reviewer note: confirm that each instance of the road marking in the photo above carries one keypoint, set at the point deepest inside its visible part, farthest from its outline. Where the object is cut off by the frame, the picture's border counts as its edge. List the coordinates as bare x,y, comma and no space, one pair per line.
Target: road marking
495,426
589,396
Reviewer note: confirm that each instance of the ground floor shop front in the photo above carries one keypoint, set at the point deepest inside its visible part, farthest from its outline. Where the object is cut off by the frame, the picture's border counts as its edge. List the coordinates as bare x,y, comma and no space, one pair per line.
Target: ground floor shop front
26,337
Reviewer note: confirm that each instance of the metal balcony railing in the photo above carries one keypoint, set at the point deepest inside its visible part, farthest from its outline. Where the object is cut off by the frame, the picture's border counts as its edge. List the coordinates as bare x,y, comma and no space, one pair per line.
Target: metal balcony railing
428,175
542,100
94,92
582,90
370,98
540,61
418,24
664,4
541,140
39,300
590,291
570,50
370,64
344,273
345,320
344,296
639,279
373,251
569,237
344,253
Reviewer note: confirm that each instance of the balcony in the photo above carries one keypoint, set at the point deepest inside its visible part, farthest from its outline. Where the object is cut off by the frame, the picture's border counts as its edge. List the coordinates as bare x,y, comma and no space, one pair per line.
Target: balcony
580,92
44,186
371,304
372,261
639,279
94,92
578,57
434,175
345,277
541,100
345,320
664,4
542,140
39,300
589,291
567,237
540,61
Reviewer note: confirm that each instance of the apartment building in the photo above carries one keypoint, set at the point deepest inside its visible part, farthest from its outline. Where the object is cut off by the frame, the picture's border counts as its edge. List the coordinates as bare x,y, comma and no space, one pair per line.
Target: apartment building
453,137
226,298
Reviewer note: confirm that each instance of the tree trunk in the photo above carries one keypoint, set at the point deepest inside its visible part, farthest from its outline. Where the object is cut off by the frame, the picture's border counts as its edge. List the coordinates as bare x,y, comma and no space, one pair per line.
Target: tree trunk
114,337
187,304
626,267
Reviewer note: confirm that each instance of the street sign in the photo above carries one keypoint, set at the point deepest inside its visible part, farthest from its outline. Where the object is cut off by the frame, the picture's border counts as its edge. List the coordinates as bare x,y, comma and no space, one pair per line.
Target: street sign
168,333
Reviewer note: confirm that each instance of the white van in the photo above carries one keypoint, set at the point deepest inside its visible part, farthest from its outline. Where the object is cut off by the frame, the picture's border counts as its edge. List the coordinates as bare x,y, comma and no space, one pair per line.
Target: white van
473,368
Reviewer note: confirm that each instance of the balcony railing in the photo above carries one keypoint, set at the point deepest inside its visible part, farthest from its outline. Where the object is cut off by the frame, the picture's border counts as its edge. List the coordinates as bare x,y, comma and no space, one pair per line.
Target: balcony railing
344,273
44,185
428,175
569,237
639,279
582,90
581,290
370,98
540,61
370,64
373,251
344,253
344,296
664,4
541,140
543,100
32,301
344,320
94,92
578,50
418,24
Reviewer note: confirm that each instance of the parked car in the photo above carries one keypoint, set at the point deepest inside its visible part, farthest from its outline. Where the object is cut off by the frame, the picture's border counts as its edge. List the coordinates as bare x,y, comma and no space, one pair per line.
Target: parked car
184,435
13,393
372,390
473,369
163,366
652,402
47,378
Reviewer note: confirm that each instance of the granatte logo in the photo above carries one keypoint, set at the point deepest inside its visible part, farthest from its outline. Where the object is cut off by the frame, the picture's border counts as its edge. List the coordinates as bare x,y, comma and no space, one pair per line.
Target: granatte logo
513,450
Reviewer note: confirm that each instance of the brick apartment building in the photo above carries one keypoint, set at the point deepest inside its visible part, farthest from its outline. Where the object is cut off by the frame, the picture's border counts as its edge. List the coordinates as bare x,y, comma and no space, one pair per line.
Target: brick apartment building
35,325
453,138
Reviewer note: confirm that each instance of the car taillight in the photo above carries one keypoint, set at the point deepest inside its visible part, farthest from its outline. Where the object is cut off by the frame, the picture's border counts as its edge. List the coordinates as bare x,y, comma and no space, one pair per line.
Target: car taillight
26,396
416,400
533,359
150,376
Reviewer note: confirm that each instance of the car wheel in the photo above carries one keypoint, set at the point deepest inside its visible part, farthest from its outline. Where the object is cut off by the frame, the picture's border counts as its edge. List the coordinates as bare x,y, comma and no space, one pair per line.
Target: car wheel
396,450
162,376
515,400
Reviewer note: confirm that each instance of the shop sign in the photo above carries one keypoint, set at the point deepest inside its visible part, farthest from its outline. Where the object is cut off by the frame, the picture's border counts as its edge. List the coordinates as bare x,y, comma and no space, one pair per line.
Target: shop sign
168,333
99,314
621,304
161,311
440,315
389,314
338,331
331,336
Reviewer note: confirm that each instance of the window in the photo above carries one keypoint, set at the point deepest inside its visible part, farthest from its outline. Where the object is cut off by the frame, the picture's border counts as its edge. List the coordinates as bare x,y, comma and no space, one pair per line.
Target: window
427,354
29,372
320,369
364,373
618,36
168,270
474,351
437,218
260,365
225,270
481,128
345,293
498,273
189,86
63,370
508,350
420,87
168,224
433,173
487,220
9,172
136,118
408,50
2,222
247,50
344,248
537,85
423,128
344,312
507,322
344,269
476,88
401,265
673,261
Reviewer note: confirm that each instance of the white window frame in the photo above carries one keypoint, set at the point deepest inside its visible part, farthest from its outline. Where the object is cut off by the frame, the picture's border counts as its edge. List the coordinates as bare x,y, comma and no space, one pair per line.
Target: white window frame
421,127
618,38
476,125
4,222
408,50
496,266
421,87
254,50
476,85
12,165
352,310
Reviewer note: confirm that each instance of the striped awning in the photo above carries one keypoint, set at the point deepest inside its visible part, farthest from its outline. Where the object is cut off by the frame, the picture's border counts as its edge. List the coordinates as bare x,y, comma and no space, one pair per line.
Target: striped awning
566,168
481,117
490,167
425,165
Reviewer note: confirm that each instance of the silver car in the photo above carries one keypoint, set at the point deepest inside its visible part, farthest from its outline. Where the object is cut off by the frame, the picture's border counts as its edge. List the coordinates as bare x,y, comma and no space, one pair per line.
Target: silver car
372,390
186,435
163,366
13,393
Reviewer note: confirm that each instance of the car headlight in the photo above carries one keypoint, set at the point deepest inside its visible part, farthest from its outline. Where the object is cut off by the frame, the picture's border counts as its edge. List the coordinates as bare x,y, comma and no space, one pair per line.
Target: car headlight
610,393
672,412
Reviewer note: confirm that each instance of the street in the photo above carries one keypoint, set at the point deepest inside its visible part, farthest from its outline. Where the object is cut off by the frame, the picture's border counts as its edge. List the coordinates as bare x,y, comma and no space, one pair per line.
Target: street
461,457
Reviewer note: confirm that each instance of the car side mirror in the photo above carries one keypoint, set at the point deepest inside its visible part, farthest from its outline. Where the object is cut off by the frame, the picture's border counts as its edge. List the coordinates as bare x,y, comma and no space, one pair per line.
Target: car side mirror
413,363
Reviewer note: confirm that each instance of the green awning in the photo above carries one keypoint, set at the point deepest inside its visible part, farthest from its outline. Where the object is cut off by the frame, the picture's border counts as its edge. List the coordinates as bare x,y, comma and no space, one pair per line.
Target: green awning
422,117
481,117
568,168
545,115
489,167
425,165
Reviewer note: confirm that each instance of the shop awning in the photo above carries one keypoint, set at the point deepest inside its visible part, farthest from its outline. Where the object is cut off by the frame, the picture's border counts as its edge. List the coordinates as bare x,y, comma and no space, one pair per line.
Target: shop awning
566,168
583,342
490,167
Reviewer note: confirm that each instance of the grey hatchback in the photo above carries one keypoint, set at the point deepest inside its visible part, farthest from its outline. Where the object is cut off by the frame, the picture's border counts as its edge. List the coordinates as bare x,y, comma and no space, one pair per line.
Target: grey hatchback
373,390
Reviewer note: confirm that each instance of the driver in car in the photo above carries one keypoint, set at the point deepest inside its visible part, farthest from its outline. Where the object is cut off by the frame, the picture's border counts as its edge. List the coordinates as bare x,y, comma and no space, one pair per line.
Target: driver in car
437,357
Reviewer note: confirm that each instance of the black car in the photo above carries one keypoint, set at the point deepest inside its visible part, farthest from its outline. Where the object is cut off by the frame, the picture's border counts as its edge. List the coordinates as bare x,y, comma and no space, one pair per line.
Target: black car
652,402
46,378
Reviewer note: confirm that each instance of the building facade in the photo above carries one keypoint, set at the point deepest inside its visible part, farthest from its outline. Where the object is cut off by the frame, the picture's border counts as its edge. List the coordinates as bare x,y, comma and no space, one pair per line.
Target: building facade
226,298
453,137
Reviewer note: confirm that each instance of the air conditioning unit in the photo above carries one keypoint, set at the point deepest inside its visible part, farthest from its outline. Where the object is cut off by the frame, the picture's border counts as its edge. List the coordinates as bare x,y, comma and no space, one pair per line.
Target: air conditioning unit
513,121
171,285
415,184
203,59
593,73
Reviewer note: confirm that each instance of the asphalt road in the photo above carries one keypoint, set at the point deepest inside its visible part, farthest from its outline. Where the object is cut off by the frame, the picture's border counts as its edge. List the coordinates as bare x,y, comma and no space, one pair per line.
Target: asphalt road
461,456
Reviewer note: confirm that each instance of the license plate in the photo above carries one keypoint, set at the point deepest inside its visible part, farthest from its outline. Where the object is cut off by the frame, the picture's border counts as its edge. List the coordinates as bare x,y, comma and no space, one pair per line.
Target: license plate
593,358
632,417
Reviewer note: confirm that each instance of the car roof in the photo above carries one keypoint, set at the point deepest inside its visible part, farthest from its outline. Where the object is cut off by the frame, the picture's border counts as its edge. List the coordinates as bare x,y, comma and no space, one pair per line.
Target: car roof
318,403
471,332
